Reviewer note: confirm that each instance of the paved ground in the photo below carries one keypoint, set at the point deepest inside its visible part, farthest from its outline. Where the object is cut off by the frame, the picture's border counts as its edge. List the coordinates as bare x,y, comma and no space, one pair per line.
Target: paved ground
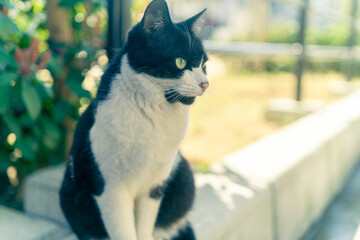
342,219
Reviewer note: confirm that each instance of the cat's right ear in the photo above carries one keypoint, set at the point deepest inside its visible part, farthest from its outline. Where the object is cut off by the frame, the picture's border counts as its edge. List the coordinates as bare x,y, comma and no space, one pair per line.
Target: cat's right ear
196,22
156,16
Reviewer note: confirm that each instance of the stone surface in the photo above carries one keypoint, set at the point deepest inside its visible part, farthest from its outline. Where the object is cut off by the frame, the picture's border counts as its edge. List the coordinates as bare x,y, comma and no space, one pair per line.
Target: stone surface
18,226
285,109
342,219
41,194
228,207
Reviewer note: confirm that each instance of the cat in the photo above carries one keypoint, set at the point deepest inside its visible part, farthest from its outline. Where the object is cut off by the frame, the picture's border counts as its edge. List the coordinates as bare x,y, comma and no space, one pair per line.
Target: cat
125,178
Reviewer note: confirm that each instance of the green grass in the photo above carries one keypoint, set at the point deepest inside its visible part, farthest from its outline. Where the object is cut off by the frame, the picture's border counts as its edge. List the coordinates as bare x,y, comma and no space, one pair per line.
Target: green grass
231,114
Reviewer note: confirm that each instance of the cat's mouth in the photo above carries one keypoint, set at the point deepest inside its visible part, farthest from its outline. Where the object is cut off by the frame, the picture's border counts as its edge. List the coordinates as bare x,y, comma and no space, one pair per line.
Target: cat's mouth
186,97
173,96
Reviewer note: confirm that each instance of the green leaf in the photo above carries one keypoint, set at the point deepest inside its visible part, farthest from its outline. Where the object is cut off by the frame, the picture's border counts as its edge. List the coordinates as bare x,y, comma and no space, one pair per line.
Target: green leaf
5,94
12,124
52,133
69,3
6,4
28,147
5,89
25,41
6,59
8,28
74,81
26,121
61,110
36,131
7,77
55,66
44,91
4,160
31,99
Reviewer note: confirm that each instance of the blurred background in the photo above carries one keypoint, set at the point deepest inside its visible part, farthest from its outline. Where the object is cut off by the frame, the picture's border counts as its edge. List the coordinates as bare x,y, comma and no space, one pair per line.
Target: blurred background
53,53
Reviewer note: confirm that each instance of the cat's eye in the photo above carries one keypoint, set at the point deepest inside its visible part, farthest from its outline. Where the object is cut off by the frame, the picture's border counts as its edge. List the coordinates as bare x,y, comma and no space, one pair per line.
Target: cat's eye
203,67
181,63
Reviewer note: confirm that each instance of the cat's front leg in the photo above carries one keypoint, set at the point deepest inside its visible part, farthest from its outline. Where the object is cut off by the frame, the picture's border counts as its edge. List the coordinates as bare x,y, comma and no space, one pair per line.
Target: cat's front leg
146,210
117,211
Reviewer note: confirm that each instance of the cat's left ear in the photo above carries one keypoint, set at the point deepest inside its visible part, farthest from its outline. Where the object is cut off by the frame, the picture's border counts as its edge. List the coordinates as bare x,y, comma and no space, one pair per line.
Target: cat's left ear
156,16
196,22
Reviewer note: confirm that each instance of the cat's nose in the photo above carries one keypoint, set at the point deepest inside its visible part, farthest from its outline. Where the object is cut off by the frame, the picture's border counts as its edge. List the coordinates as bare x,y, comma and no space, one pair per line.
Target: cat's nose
204,86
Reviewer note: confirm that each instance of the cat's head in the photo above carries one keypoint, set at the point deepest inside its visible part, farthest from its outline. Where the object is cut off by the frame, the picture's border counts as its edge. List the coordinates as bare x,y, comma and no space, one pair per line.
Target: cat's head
171,53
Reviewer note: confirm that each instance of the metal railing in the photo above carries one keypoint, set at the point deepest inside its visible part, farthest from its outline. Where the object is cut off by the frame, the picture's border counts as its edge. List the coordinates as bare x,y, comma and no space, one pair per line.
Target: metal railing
119,23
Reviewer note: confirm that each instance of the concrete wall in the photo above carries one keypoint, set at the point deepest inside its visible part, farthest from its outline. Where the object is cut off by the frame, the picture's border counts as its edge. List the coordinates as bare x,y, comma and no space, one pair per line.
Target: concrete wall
273,189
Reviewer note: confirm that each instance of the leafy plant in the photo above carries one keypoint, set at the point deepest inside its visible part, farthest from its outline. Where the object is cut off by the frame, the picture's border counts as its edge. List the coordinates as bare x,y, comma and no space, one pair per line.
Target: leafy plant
42,84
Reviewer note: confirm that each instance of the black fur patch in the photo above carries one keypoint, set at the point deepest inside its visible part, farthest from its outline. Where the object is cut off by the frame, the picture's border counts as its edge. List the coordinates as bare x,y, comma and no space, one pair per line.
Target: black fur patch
185,234
178,196
173,96
81,210
108,77
147,52
157,192
85,169
82,181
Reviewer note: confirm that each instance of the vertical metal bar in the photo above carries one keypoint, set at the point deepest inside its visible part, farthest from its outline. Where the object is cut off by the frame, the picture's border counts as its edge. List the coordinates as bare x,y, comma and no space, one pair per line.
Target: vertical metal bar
118,25
352,40
301,40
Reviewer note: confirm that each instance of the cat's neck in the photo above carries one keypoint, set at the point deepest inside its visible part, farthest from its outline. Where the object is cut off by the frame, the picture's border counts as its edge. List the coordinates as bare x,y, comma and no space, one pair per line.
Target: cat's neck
139,85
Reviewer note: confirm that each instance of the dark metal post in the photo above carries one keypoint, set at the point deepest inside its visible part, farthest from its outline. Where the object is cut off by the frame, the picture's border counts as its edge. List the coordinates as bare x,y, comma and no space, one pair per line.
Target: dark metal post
352,40
301,41
119,24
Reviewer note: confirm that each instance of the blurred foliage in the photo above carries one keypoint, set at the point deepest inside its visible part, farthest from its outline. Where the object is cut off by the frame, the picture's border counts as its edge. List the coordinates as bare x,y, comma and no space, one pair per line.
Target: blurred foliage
331,35
335,35
283,32
42,87
137,10
287,32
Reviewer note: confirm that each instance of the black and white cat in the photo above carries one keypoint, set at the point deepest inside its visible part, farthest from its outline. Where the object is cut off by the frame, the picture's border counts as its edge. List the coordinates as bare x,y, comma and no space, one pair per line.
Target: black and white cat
125,178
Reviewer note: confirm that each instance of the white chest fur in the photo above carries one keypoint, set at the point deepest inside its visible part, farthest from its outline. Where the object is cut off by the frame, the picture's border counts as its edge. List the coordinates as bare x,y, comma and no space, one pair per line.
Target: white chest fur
137,133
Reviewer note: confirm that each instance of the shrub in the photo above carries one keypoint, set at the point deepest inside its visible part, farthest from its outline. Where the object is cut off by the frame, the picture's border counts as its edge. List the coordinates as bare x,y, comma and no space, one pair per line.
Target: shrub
42,87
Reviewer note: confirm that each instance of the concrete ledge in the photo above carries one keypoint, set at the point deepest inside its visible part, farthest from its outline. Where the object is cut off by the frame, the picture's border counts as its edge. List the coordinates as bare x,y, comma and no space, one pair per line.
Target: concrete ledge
304,165
221,196
18,226
341,220
41,194
273,189
341,87
285,109
228,207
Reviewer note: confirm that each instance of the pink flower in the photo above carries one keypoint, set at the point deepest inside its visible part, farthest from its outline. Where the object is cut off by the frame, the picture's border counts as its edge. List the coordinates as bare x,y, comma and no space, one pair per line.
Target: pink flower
28,59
